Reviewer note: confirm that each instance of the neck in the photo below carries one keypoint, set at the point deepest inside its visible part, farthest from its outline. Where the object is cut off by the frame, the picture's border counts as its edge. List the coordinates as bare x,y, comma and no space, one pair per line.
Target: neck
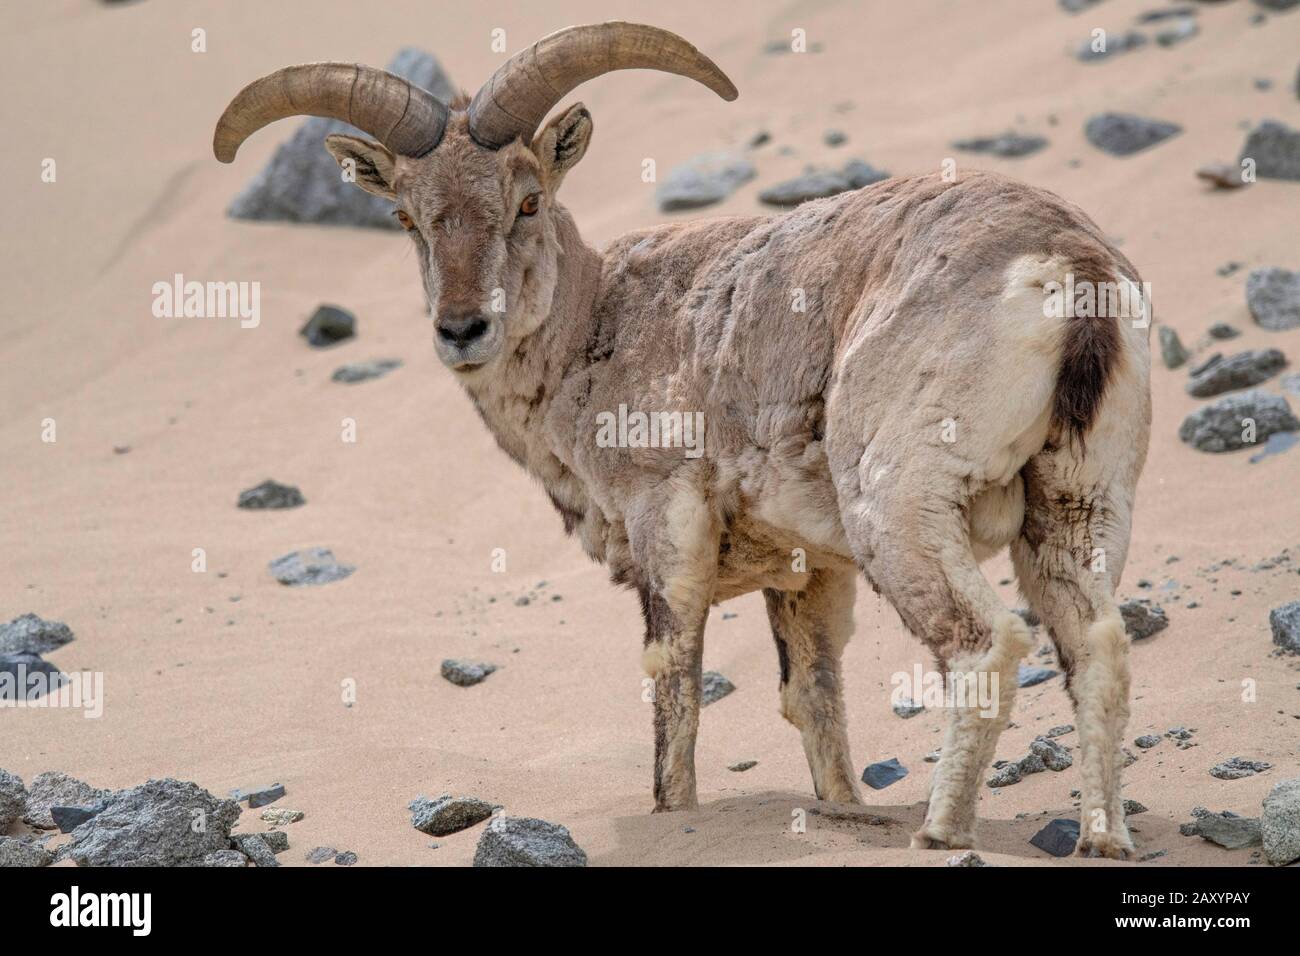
514,399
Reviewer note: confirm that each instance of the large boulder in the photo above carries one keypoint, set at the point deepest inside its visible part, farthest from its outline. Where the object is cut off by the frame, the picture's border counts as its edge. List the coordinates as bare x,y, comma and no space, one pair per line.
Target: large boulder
13,797
1280,823
524,841
55,789
302,182
160,823
1275,149
30,634
1221,426
1273,296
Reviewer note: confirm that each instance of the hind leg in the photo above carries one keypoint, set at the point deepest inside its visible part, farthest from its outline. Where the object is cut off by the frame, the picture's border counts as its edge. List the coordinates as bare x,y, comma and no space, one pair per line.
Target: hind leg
811,628
1068,559
914,546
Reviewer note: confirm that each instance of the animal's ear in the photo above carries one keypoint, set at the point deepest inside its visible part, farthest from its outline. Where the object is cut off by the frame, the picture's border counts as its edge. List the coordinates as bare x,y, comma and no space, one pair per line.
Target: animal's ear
367,164
562,143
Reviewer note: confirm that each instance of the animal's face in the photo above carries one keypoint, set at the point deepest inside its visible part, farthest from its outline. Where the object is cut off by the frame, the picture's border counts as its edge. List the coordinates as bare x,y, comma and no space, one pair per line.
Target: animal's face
483,225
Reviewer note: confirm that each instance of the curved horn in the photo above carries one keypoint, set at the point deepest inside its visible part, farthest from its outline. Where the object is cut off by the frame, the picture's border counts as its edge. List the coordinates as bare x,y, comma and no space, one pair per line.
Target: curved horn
525,88
407,119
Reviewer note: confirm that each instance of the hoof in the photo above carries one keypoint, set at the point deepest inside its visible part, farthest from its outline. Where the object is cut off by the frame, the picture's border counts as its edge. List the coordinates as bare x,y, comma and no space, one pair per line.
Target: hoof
1105,846
930,837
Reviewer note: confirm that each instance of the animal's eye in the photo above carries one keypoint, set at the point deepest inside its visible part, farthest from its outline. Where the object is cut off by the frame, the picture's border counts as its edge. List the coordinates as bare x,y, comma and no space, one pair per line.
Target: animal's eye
530,205
407,222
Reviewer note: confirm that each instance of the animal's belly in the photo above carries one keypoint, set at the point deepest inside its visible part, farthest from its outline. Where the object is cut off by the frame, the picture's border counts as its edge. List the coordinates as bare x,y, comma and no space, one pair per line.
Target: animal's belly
756,555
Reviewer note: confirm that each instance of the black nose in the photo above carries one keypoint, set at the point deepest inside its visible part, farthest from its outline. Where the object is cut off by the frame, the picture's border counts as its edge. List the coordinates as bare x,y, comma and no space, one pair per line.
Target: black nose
461,328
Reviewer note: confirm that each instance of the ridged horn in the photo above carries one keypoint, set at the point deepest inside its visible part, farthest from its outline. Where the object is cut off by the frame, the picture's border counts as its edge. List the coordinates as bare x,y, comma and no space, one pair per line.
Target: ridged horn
404,117
526,87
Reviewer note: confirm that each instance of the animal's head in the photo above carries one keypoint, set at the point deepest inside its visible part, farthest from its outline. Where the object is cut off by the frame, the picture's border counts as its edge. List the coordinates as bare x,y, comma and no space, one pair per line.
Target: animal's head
476,187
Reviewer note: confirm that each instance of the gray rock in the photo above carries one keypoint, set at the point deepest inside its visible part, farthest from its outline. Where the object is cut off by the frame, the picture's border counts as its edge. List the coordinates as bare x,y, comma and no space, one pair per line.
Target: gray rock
1133,808
29,634
1007,145
1167,13
1060,731
1220,426
525,841
907,708
1280,823
281,816
714,688
1147,741
1291,383
1285,623
1181,29
1057,838
270,495
328,325
1223,331
1273,296
1277,5
1005,776
703,180
321,854
1123,134
813,184
1238,767
159,823
67,819
1275,148
466,673
1237,371
1142,618
311,566
1228,830
1027,676
225,858
966,859
1054,756
346,858
302,182
820,183
834,137
1077,6
448,814
258,796
1172,351
277,840
860,173
255,848
1206,364
13,797
883,773
364,371
741,766
1115,43
15,852
1030,764
29,677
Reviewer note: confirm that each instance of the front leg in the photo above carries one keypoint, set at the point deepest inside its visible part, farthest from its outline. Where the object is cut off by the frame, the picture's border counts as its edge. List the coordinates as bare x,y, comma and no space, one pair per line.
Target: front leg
674,543
673,657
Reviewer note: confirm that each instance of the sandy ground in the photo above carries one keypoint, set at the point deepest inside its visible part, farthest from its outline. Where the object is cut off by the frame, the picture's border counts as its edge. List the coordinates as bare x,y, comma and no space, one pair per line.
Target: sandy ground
228,679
